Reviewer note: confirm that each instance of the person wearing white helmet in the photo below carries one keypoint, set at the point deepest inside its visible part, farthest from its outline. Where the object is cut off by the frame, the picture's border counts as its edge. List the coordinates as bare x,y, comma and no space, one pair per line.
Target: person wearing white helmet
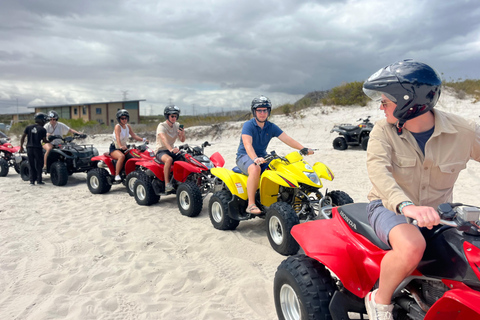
414,157
256,135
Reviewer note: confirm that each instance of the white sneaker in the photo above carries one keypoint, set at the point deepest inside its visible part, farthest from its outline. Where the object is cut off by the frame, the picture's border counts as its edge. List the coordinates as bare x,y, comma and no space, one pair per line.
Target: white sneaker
169,187
377,311
118,178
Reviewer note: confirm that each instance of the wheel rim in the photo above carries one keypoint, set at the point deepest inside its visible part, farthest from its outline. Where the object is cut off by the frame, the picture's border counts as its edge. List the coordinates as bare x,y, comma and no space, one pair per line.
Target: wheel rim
94,182
184,200
141,192
276,230
131,183
289,302
217,212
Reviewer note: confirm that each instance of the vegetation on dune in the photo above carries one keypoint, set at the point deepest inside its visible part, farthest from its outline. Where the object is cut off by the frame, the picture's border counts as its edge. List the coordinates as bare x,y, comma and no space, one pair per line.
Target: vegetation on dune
347,94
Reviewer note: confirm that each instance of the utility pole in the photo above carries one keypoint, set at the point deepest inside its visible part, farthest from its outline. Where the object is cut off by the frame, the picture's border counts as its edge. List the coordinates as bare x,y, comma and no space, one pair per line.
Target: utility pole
18,115
125,95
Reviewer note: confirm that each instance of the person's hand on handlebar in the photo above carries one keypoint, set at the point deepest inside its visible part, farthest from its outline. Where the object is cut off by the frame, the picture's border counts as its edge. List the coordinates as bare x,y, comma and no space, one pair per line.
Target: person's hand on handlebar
258,161
175,150
425,216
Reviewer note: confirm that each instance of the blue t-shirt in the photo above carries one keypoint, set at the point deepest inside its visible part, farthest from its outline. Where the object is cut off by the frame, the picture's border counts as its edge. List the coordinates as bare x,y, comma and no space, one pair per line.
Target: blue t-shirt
422,138
260,137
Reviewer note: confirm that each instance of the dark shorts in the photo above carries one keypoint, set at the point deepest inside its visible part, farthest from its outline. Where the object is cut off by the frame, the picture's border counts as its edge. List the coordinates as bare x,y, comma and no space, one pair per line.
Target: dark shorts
383,220
112,148
174,156
244,161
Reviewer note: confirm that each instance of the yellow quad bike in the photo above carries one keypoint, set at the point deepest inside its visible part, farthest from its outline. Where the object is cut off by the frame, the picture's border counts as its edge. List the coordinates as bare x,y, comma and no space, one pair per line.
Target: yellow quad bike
289,192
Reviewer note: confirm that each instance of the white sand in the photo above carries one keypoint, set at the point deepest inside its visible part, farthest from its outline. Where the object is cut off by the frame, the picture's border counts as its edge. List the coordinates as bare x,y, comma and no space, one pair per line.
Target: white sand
68,254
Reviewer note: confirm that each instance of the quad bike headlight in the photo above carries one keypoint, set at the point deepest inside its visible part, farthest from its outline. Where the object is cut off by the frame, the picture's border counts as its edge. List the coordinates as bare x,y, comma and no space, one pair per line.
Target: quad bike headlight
312,176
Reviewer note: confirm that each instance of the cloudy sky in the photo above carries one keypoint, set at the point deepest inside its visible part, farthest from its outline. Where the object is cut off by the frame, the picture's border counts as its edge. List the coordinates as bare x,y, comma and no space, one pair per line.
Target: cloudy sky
215,55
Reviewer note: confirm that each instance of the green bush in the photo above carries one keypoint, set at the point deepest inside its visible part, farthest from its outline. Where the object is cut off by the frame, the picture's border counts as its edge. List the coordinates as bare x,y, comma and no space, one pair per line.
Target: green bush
347,94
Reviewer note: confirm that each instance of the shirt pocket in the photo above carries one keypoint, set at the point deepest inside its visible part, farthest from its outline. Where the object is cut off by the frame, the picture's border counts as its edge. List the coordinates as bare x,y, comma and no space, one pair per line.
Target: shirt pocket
403,169
445,175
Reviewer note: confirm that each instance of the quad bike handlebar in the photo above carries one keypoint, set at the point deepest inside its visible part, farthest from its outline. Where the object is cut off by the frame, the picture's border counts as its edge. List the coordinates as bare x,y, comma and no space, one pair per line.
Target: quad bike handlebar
465,218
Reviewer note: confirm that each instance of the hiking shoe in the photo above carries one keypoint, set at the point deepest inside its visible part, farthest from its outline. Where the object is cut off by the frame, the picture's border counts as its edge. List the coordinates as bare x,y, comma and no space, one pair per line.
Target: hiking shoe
118,178
168,187
377,311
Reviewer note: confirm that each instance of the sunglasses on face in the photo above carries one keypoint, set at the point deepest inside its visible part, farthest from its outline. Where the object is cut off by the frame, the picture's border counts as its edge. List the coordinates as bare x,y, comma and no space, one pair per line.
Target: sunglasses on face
53,119
123,118
262,110
173,116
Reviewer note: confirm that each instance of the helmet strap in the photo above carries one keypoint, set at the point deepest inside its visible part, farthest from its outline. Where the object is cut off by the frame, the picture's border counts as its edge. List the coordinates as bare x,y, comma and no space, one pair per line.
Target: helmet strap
400,124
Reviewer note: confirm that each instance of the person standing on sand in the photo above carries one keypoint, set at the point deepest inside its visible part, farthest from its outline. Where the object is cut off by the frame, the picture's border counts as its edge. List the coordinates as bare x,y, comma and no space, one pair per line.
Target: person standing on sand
256,134
36,133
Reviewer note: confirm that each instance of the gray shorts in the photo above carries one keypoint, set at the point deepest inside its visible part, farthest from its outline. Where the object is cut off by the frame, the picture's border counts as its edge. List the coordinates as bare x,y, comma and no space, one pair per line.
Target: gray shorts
244,161
383,220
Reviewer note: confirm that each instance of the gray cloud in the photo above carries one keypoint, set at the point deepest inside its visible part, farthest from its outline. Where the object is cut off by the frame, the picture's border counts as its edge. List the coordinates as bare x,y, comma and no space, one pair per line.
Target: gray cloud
220,54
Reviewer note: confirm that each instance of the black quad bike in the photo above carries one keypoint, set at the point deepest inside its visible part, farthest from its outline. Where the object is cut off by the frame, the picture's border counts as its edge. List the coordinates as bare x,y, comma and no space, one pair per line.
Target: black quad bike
64,159
352,135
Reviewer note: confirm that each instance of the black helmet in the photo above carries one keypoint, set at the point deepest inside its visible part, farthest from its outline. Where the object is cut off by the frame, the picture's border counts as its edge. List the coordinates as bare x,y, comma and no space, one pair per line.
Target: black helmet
261,102
414,86
122,113
52,115
40,118
171,109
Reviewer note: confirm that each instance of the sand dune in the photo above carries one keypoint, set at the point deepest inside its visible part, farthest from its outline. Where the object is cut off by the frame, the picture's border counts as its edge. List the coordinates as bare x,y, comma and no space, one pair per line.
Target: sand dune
68,254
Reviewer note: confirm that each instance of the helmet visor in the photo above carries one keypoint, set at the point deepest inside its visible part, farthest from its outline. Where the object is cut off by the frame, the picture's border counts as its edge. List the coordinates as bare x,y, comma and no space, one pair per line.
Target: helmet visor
378,95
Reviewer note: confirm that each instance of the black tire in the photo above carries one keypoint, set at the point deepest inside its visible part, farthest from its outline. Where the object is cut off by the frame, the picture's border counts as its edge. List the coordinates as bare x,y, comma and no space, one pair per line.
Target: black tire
302,289
25,170
97,181
339,198
143,191
59,173
365,142
280,219
3,167
130,182
189,199
218,211
339,143
16,166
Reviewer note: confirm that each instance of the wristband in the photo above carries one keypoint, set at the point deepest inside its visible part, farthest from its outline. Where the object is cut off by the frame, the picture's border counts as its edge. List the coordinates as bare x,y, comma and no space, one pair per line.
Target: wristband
403,205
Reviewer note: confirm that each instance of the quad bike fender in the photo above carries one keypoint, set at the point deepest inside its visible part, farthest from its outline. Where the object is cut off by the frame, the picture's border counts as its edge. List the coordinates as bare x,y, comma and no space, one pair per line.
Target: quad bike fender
349,255
217,159
340,131
235,182
132,163
182,169
61,152
323,171
269,185
104,159
456,304
155,168
8,147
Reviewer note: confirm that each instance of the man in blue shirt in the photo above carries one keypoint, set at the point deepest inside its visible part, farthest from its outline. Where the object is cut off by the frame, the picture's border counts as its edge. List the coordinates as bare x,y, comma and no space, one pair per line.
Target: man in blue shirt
256,134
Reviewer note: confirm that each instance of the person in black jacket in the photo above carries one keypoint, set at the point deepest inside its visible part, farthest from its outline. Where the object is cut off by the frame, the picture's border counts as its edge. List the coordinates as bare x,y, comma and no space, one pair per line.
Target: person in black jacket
36,135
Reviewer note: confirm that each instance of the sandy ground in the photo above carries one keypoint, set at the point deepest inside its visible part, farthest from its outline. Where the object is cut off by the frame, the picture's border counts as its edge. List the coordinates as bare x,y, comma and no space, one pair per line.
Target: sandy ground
68,254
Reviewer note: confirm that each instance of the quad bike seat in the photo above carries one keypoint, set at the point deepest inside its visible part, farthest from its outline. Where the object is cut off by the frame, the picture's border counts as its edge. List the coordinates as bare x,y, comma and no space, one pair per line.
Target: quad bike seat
237,170
348,127
158,161
355,214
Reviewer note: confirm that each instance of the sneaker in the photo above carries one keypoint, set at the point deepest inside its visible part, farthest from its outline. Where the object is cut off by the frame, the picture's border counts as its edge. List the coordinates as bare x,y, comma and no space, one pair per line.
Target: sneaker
32,183
40,182
377,311
118,178
169,187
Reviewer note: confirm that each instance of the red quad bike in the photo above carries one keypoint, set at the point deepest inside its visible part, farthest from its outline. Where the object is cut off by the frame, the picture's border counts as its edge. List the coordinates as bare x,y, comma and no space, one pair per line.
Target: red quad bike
445,285
8,157
192,180
101,178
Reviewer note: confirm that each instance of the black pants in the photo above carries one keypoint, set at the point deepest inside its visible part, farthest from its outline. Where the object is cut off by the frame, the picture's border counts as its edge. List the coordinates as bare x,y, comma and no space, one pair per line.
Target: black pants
35,159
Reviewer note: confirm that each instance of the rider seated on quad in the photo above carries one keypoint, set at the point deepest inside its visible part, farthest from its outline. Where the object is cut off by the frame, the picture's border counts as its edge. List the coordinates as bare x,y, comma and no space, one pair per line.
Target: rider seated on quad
414,157
121,133
167,133
54,128
256,134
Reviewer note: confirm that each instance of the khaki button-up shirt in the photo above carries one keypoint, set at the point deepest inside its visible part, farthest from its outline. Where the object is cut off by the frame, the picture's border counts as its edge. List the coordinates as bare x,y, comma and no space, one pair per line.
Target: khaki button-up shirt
399,171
